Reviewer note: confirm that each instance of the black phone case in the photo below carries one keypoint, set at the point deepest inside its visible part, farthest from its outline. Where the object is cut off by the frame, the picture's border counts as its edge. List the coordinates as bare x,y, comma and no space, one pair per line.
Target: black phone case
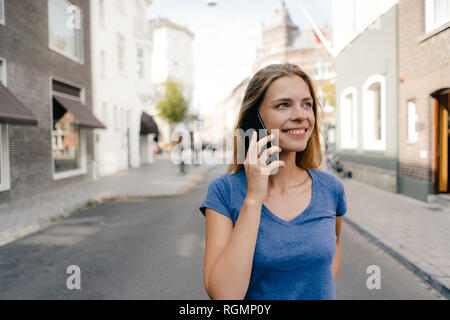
254,122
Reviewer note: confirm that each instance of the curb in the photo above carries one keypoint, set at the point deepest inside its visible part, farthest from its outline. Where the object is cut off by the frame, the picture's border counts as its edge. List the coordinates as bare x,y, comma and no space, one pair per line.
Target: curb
428,278
9,236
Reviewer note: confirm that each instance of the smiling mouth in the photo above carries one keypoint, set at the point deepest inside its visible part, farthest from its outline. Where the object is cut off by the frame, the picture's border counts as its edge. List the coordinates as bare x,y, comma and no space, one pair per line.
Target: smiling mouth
296,131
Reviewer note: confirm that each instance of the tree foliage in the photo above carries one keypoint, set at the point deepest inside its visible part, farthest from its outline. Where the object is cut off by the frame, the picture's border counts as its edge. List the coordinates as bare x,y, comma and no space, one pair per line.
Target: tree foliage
329,94
172,107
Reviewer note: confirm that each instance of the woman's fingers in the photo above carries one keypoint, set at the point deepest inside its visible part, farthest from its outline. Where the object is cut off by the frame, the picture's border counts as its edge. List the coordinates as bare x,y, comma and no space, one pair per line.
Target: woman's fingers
268,152
255,148
272,168
264,141
252,154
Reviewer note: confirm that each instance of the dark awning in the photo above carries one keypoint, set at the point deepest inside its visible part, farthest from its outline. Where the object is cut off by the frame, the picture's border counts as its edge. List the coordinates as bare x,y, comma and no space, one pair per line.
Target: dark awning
12,110
148,125
83,116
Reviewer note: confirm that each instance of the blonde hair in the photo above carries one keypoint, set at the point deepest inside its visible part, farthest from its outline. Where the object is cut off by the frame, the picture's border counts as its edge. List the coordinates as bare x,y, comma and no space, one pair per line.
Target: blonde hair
311,157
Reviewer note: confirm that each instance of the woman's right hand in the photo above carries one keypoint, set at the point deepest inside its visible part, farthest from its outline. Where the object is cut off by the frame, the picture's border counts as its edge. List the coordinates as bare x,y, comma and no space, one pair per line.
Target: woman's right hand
256,169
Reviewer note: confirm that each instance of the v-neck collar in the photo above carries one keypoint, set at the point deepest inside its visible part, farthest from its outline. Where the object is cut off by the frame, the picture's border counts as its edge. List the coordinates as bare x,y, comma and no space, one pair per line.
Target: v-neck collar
301,215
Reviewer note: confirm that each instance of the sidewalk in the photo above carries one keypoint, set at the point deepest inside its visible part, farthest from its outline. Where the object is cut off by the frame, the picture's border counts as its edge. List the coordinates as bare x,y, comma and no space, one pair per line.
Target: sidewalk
414,232
159,179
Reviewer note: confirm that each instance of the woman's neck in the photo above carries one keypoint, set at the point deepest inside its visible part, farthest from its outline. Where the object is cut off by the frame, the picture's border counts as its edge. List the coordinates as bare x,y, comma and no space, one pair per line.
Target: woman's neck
289,177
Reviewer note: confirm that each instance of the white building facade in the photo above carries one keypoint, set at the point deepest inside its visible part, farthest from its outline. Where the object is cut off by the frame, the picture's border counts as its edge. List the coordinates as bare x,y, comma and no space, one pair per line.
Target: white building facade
121,47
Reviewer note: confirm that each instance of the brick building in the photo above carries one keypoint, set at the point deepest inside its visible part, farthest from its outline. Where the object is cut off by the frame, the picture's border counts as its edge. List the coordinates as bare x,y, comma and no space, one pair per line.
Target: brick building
46,68
424,72
393,67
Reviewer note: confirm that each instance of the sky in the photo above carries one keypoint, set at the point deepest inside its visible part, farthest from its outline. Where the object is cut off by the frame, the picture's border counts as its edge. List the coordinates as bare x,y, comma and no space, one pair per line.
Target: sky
226,38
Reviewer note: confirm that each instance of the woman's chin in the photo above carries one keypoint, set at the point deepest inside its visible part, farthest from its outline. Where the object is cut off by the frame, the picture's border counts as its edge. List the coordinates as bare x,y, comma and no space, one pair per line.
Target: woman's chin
294,147
287,150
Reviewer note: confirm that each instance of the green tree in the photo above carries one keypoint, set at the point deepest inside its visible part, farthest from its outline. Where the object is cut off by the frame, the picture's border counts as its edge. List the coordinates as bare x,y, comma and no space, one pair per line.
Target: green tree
172,107
329,94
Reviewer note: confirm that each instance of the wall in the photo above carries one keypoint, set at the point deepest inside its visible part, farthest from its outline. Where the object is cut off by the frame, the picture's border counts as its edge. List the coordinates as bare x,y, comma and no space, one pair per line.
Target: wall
30,66
372,52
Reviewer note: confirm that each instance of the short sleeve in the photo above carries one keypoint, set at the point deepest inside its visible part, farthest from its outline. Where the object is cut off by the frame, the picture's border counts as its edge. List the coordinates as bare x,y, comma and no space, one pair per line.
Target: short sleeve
217,198
341,207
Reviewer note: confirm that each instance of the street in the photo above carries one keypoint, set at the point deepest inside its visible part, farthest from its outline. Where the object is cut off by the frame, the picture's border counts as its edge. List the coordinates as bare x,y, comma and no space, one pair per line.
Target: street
153,249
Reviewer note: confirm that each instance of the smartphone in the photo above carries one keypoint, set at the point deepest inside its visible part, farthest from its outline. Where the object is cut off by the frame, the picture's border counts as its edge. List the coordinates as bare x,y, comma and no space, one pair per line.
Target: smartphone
255,122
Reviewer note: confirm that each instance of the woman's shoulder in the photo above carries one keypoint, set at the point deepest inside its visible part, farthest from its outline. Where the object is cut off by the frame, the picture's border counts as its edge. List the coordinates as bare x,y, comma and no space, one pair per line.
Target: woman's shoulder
327,179
230,178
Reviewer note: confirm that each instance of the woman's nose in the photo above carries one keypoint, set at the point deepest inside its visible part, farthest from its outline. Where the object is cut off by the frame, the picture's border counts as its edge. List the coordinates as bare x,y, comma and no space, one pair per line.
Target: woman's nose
297,111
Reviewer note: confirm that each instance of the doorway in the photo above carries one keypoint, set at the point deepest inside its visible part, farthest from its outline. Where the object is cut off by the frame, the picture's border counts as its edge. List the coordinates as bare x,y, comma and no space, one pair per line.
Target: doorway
442,120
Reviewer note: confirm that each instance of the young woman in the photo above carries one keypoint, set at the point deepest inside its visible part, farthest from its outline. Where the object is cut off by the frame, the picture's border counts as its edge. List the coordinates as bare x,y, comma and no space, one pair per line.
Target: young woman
275,236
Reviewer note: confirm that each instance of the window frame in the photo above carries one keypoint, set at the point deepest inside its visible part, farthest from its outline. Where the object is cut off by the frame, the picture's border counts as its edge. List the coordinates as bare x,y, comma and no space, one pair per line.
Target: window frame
5,183
368,142
82,132
3,72
80,59
430,17
103,64
142,60
121,63
101,12
411,126
2,16
346,143
120,6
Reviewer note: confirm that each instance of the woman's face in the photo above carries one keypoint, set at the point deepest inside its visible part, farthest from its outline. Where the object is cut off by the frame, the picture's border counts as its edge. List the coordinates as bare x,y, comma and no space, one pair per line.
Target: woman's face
288,104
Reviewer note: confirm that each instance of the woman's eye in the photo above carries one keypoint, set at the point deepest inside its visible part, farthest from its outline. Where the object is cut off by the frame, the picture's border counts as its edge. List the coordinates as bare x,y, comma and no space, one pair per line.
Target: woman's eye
309,104
283,104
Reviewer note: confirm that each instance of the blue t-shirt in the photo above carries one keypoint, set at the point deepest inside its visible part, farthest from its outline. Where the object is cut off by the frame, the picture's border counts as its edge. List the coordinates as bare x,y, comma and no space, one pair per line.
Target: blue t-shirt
292,259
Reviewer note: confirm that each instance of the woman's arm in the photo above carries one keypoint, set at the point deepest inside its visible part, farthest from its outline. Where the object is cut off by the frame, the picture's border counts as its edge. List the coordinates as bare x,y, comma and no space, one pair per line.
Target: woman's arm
229,251
337,257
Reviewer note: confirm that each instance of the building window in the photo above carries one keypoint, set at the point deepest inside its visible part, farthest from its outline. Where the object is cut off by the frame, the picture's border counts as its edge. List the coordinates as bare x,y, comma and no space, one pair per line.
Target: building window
105,113
349,118
120,6
374,109
123,119
116,119
4,158
4,148
437,13
120,53
412,119
65,29
374,92
322,70
68,139
140,63
103,63
3,72
101,11
2,12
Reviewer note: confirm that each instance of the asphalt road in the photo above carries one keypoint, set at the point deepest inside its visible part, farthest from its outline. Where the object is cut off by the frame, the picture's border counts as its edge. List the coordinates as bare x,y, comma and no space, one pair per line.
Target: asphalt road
153,249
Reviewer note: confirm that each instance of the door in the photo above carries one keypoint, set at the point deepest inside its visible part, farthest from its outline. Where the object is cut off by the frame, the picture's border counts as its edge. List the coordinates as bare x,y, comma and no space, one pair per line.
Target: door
442,143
